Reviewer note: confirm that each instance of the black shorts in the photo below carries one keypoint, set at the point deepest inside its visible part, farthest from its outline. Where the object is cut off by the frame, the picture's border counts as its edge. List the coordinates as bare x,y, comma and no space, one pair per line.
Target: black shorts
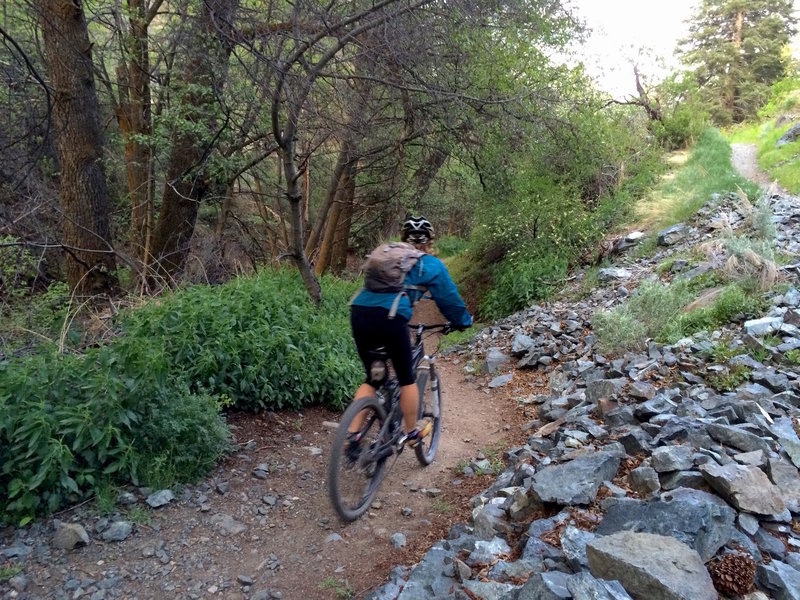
372,328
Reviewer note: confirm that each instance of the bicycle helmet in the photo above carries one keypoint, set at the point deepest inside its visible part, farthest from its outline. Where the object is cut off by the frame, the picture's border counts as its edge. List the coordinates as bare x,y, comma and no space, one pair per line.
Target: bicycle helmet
417,230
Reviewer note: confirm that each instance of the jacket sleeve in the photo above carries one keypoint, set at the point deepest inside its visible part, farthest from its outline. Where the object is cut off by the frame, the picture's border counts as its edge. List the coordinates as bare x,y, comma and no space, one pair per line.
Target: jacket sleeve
446,295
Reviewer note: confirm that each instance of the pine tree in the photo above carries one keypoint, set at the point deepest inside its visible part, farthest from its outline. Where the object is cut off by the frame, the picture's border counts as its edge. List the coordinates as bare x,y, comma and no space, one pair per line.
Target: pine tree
735,48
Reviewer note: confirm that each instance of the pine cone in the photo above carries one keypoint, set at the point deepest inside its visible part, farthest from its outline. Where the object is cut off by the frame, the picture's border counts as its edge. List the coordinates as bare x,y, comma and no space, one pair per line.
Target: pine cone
733,574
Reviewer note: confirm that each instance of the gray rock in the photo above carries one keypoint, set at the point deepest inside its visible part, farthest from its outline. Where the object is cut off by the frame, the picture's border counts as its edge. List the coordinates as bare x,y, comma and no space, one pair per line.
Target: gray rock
495,358
763,326
748,523
69,536
583,586
643,390
505,572
540,587
644,480
769,544
613,274
787,480
672,235
487,590
790,136
18,582
776,382
672,458
651,566
261,471
576,481
486,552
521,344
781,580
698,519
117,531
737,437
501,380
686,479
228,525
601,389
573,544
746,488
160,498
399,540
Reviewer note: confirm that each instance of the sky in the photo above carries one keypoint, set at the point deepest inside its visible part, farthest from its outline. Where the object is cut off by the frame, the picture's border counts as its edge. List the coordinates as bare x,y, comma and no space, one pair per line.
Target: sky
621,27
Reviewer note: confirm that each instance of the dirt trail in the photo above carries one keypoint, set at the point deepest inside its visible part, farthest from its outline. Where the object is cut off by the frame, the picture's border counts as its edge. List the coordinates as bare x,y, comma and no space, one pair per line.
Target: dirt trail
290,542
744,158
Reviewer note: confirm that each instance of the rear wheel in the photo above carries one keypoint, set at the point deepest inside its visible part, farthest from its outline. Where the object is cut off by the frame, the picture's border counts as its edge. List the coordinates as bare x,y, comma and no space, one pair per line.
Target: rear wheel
354,471
430,410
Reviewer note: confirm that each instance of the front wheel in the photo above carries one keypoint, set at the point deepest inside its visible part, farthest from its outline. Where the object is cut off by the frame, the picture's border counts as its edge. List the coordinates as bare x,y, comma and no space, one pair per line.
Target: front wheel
430,409
357,465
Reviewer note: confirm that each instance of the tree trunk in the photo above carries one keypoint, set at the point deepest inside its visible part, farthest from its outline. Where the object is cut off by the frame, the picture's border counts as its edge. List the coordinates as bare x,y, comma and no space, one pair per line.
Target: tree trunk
188,182
136,124
295,196
84,199
426,173
341,241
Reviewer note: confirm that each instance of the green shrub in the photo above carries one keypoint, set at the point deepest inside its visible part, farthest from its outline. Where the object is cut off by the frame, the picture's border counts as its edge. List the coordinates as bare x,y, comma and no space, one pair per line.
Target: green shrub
656,311
90,419
520,281
450,245
258,341
146,407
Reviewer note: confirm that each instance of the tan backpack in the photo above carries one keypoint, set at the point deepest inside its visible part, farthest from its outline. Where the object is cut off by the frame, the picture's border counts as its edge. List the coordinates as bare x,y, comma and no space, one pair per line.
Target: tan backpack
387,266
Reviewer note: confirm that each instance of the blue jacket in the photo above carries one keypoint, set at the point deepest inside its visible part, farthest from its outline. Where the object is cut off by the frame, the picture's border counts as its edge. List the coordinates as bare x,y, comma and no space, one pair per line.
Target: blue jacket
428,273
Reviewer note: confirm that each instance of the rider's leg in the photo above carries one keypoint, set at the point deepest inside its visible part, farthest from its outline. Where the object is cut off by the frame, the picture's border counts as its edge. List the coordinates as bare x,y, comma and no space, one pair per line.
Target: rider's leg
364,391
409,403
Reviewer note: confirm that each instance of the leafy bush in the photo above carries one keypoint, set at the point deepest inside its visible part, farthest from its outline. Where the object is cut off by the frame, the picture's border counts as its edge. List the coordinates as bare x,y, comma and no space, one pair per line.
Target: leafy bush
258,341
146,407
521,280
93,418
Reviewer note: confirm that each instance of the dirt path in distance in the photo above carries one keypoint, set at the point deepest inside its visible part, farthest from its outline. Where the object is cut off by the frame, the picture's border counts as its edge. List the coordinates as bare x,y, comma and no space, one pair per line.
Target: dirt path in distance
744,159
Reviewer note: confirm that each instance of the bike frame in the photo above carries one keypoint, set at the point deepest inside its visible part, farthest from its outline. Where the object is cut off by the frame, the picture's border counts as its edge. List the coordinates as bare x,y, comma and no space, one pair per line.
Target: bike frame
389,392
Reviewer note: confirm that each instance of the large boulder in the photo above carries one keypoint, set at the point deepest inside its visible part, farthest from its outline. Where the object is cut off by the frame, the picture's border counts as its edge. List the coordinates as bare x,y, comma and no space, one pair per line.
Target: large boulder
700,520
651,566
747,488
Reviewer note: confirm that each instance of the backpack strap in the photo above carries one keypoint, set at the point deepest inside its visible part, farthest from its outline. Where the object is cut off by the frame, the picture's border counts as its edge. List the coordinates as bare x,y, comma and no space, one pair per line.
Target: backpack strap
396,304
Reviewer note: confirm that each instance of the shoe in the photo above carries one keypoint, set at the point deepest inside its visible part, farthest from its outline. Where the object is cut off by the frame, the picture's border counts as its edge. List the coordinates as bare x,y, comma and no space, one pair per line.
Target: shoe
353,449
414,437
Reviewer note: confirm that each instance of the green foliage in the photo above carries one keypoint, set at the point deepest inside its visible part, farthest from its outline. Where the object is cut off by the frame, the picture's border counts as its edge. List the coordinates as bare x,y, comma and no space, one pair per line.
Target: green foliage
521,280
258,341
708,170
456,338
793,356
737,52
449,245
656,311
91,420
340,587
7,573
729,379
146,408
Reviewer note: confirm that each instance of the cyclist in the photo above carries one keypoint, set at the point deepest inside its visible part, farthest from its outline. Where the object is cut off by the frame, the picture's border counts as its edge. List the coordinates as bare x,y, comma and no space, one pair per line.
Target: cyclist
374,327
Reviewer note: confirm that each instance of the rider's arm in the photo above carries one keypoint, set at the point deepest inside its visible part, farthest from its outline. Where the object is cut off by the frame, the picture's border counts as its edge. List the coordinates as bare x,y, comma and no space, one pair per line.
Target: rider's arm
444,292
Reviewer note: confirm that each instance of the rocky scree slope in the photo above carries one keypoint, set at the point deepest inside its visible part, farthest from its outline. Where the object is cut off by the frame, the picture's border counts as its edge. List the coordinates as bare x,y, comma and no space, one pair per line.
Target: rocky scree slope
639,479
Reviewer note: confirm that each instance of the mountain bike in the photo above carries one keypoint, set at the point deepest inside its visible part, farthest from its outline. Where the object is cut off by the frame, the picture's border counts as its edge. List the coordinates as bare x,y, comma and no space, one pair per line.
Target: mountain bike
355,471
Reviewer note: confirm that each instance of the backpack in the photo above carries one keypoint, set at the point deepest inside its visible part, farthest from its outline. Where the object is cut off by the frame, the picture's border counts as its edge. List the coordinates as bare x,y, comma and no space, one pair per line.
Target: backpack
387,266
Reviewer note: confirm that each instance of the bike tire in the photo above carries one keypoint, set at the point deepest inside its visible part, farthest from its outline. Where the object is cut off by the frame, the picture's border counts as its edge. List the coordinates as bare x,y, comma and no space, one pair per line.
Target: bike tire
346,496
430,407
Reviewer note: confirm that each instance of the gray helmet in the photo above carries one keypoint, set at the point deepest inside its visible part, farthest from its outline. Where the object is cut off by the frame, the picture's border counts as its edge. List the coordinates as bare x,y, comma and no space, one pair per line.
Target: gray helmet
417,230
